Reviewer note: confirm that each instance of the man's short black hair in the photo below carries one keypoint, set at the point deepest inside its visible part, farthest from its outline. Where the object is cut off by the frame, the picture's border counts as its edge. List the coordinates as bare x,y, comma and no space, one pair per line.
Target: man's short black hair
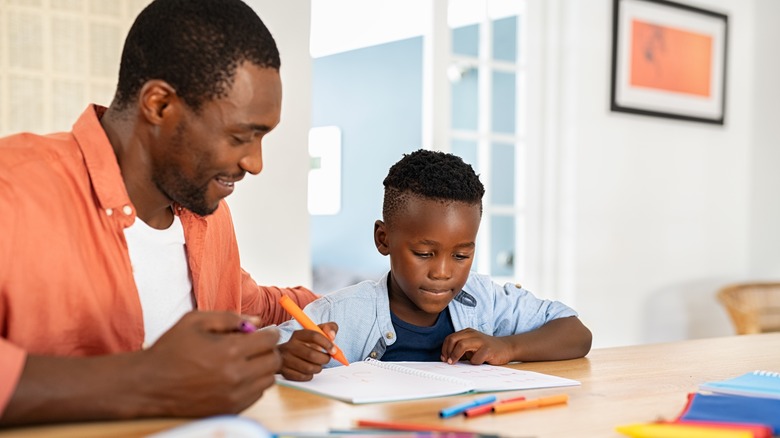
433,175
195,46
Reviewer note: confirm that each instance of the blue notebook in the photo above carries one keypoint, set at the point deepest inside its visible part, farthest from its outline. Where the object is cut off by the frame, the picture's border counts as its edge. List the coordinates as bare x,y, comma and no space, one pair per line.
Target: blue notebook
755,384
727,408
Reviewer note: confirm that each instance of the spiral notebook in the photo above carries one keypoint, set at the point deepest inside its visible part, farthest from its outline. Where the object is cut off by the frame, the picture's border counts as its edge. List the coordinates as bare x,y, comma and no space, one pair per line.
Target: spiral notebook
372,381
755,384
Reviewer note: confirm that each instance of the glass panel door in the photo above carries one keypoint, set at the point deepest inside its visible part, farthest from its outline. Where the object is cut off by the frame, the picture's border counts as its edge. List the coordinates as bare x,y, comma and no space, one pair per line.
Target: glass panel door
486,72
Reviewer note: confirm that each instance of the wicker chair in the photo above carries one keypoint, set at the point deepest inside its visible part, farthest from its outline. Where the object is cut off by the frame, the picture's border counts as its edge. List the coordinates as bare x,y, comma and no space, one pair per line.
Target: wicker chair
753,307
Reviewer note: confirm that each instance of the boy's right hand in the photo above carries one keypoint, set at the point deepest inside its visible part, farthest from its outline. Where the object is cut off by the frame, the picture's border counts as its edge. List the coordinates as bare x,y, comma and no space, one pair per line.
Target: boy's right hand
306,352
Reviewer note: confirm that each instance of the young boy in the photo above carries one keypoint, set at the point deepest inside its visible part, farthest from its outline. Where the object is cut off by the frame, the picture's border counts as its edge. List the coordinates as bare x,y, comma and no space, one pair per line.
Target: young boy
430,307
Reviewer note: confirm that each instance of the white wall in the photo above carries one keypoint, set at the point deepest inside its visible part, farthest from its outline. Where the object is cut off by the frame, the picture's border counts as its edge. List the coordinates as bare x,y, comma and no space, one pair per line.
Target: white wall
653,214
269,210
657,209
765,161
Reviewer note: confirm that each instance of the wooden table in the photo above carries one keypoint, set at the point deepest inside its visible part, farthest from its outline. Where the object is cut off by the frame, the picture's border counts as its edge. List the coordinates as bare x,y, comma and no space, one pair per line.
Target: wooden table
619,386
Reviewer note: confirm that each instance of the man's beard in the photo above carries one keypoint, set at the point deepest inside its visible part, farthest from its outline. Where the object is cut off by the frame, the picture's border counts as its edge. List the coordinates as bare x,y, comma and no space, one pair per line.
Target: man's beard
186,194
173,184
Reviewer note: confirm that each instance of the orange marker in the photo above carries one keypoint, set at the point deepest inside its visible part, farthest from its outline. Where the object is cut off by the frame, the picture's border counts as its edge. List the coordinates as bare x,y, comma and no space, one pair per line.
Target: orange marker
296,312
530,404
482,410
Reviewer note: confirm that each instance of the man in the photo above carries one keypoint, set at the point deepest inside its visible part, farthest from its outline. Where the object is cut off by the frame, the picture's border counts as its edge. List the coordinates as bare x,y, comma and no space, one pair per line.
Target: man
110,235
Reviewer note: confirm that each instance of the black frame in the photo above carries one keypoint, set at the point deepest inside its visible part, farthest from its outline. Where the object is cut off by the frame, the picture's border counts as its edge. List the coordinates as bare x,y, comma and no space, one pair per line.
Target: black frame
681,115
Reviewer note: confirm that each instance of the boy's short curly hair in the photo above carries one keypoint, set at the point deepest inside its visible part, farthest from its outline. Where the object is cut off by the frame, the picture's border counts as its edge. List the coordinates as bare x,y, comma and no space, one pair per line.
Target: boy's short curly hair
195,46
433,175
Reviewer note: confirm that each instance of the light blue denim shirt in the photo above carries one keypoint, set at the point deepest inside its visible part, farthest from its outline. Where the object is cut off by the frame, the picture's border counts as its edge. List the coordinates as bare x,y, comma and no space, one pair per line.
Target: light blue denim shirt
362,312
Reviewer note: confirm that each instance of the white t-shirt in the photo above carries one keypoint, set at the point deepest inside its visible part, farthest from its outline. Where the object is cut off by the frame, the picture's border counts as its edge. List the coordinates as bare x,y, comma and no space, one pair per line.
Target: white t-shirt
161,274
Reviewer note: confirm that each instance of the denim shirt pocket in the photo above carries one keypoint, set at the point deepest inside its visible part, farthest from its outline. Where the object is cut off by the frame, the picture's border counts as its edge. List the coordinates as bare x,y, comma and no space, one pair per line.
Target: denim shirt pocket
467,313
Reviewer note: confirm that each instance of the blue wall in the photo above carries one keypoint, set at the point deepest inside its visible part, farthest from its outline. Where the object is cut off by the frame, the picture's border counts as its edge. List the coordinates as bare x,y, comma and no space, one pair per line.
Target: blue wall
375,96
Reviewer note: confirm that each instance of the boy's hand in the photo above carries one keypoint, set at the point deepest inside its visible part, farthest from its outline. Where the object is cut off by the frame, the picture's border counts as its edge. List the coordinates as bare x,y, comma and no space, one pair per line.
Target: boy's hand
476,347
306,352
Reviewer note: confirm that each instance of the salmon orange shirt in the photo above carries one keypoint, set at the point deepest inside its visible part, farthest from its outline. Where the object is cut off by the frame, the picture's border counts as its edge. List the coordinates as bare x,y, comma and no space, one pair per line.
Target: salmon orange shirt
66,283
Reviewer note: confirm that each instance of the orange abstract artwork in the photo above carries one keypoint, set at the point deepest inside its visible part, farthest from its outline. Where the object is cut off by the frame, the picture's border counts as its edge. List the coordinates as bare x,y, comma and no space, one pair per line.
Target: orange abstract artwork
666,58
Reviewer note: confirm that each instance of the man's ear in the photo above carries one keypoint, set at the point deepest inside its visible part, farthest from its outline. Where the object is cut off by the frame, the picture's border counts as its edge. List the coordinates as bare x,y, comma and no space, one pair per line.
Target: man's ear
380,238
155,101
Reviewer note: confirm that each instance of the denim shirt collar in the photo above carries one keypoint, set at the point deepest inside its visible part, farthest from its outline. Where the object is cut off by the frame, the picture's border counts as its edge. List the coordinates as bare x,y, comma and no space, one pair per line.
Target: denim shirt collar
464,304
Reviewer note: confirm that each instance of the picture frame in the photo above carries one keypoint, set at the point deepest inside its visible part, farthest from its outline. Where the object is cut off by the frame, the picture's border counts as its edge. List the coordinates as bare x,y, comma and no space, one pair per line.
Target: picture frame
669,60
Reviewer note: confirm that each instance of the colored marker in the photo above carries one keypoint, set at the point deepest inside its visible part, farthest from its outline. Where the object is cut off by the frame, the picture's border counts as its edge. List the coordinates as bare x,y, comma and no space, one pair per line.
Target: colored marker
459,409
680,430
247,327
531,404
410,427
482,410
296,312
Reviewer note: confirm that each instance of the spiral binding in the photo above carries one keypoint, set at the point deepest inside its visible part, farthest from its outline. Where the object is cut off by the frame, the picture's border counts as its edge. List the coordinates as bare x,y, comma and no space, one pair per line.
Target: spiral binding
416,372
766,373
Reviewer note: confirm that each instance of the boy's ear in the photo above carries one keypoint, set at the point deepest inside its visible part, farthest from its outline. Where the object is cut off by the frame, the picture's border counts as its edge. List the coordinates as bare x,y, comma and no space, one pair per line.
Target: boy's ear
380,238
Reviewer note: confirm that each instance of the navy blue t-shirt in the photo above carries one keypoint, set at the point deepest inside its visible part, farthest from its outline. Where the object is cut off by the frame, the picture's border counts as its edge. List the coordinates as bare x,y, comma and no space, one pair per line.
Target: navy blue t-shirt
414,343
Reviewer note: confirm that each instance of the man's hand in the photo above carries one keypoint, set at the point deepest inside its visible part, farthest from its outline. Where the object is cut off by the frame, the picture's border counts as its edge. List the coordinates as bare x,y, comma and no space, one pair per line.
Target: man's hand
306,352
206,366
202,366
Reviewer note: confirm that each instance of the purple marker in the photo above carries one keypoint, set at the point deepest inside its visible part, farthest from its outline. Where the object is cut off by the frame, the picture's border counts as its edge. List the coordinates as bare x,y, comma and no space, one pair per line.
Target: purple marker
247,327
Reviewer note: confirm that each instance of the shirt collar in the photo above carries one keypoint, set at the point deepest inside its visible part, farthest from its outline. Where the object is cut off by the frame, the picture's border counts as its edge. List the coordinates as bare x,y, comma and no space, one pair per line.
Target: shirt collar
101,162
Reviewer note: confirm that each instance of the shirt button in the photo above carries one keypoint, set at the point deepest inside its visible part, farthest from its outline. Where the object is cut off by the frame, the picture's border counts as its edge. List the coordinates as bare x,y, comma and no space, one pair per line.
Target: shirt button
127,210
518,285
373,355
109,212
389,335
